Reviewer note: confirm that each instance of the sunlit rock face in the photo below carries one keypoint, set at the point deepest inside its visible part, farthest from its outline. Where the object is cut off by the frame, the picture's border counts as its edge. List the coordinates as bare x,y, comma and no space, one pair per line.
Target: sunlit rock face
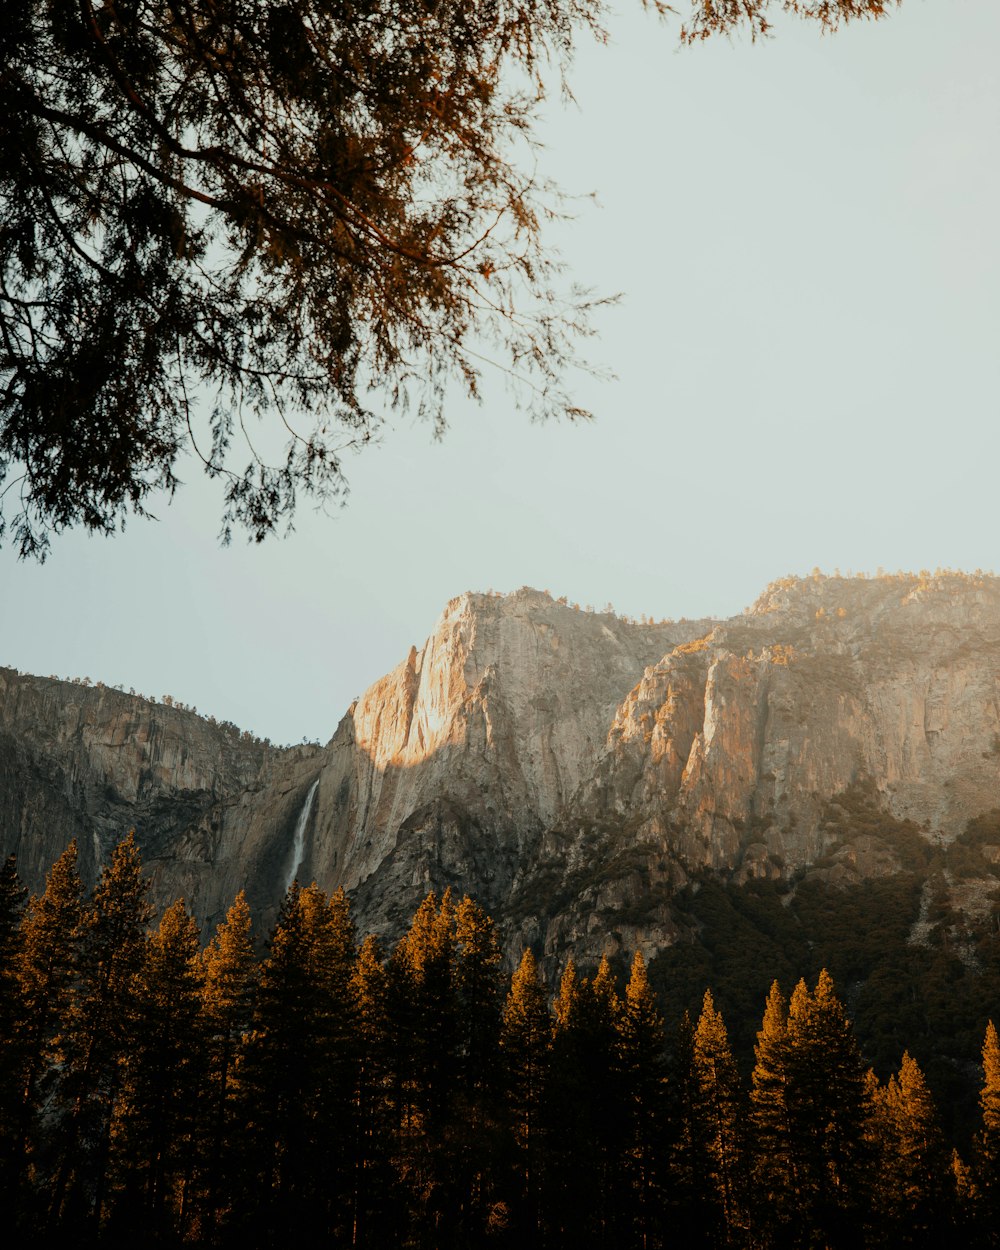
569,768
449,769
728,751
821,684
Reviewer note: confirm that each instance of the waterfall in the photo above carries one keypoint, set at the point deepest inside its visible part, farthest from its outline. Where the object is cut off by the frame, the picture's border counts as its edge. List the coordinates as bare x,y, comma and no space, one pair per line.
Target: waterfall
299,838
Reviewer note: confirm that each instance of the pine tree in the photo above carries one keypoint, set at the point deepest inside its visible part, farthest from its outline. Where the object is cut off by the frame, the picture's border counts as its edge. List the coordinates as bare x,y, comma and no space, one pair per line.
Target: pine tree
880,1139
298,1078
12,896
810,1116
153,1135
525,1042
917,1168
567,1174
643,1064
13,1019
585,1123
566,1008
100,1035
333,967
688,1201
717,1110
423,967
987,1142
378,1218
607,1100
471,1149
964,1197
772,1164
427,1046
48,971
989,1097
478,984
848,1164
229,976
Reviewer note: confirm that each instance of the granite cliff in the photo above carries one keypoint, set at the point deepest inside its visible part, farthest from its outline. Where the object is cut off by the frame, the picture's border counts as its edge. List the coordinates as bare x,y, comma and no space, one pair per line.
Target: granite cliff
572,769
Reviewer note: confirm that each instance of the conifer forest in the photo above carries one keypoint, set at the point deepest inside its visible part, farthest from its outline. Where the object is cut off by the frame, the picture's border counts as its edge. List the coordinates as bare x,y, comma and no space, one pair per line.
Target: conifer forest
161,1089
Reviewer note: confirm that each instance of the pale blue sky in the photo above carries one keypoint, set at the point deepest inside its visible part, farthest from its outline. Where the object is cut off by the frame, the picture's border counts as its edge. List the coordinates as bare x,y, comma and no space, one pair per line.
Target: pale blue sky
805,233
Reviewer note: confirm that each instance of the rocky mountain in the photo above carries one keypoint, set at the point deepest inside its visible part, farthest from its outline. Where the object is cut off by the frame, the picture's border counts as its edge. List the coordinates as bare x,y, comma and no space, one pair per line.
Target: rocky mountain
574,770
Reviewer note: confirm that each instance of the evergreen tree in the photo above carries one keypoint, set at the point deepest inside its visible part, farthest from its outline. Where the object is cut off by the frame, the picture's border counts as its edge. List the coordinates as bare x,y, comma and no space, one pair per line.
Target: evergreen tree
423,967
688,1201
12,1013
12,896
810,1115
473,1143
717,1111
918,1164
989,1097
525,1042
479,988
99,1037
427,1037
566,1008
48,971
827,1111
163,1080
987,1143
333,967
229,976
585,1124
706,1190
880,1140
607,1101
298,1077
377,1207
159,1096
964,1199
772,1163
567,1173
643,1068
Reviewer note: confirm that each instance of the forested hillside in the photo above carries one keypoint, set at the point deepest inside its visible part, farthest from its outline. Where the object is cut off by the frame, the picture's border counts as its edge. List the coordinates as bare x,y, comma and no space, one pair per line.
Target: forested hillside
154,1087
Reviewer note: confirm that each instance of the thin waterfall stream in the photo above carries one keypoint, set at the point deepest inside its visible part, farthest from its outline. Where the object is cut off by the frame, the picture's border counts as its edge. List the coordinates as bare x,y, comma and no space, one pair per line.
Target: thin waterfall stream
299,838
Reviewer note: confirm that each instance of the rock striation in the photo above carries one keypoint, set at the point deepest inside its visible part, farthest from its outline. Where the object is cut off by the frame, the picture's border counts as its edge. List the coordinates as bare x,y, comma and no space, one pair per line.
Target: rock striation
571,769
449,770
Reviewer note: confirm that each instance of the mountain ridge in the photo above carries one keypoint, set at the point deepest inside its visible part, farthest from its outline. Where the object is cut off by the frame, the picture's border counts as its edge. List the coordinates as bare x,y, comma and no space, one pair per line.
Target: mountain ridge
572,769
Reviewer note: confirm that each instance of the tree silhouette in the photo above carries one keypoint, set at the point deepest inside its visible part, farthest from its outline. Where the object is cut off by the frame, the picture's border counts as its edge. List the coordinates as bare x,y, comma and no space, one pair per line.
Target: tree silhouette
717,1113
277,205
207,1097
12,1017
810,1117
100,1034
525,1042
154,1130
229,980
914,1169
585,1120
643,1063
48,970
297,1079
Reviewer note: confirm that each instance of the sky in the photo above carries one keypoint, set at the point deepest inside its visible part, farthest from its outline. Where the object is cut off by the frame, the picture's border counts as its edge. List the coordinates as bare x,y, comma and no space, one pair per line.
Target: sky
804,235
